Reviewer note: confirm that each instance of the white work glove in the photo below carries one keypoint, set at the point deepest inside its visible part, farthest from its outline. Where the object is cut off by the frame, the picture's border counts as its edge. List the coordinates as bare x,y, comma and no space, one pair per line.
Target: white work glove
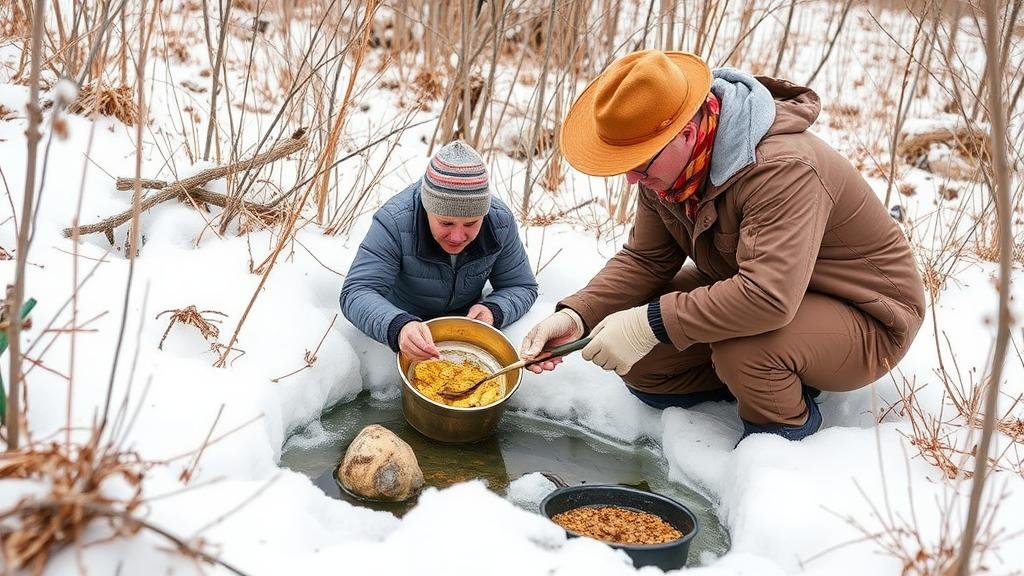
620,340
559,328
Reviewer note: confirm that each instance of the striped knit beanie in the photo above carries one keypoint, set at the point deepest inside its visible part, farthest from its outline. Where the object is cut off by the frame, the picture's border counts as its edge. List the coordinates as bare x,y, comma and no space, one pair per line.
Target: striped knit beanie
455,183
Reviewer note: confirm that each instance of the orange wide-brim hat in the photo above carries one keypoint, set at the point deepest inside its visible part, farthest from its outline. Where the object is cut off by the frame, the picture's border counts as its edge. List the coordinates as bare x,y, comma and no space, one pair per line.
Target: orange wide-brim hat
632,110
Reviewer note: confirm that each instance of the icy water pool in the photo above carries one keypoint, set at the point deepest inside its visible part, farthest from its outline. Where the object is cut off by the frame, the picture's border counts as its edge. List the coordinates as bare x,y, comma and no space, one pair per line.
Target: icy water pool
522,444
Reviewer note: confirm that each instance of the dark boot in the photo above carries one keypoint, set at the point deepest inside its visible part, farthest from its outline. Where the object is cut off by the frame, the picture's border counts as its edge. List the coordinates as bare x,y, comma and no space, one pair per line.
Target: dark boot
788,432
662,401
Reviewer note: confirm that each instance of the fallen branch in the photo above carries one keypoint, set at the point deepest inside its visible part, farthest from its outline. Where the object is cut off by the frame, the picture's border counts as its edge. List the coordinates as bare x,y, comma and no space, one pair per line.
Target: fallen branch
144,183
203,196
188,186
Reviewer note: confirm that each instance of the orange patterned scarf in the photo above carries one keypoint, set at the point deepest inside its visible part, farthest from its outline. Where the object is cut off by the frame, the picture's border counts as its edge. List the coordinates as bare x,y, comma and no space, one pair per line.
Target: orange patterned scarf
691,179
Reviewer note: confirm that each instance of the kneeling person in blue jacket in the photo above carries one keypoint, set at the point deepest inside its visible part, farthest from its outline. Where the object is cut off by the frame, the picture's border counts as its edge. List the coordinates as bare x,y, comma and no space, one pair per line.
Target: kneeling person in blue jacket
428,253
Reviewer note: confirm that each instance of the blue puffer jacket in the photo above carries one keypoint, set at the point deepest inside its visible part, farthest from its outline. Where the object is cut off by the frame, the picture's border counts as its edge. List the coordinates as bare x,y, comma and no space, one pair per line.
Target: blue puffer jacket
401,274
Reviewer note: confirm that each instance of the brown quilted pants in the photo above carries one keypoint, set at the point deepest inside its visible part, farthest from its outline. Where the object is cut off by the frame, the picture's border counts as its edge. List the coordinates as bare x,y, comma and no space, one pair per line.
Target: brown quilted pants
829,345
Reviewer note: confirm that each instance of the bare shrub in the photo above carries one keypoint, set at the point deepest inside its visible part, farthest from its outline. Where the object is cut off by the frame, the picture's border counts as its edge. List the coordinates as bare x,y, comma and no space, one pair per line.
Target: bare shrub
76,476
428,84
919,549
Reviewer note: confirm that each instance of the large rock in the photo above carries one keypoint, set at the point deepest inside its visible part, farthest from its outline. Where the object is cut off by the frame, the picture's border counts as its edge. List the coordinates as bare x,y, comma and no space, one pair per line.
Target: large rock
380,465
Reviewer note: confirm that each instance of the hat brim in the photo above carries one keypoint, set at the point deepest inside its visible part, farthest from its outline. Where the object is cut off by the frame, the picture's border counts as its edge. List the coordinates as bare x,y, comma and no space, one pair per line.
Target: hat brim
588,153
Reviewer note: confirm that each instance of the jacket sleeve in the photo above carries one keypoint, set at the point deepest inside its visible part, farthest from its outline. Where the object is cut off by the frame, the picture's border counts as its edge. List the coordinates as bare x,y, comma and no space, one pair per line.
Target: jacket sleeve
784,209
648,260
515,288
369,280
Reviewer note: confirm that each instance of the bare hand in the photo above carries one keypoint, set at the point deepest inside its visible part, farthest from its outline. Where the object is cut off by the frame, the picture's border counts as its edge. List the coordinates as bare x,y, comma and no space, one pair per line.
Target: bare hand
559,328
416,342
481,313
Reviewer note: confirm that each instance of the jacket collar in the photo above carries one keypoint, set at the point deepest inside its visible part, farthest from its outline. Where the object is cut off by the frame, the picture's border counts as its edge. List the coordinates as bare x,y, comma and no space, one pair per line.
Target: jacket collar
796,108
485,244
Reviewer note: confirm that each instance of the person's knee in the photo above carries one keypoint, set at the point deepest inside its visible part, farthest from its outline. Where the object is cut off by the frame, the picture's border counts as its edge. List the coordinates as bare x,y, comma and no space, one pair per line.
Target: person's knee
732,359
755,370
641,375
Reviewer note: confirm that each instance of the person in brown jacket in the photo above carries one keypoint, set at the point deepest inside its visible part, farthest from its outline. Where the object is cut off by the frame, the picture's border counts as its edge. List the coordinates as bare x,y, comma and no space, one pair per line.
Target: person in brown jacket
799,280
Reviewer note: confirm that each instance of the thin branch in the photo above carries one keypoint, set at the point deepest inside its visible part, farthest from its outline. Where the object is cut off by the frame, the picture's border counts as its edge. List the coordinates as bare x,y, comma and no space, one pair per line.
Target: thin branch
785,37
16,294
133,232
538,119
187,475
297,141
832,43
1001,192
211,442
215,80
310,357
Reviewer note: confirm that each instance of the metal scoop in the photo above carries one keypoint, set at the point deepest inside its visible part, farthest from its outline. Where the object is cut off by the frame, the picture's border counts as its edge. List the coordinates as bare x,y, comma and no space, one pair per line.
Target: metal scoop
557,352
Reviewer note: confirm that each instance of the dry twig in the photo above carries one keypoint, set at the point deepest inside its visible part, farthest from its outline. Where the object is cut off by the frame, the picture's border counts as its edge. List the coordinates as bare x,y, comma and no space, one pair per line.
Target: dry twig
192,317
309,357
296,142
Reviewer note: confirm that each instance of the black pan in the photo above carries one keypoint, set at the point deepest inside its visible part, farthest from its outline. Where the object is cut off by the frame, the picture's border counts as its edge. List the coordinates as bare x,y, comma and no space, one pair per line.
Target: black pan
667,556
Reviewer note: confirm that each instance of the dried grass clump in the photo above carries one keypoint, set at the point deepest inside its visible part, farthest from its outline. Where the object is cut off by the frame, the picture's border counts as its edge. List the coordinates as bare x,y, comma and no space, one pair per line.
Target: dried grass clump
104,100
934,281
930,434
428,84
986,240
553,176
246,5
971,144
959,153
77,476
843,115
13,21
937,438
987,250
177,50
936,452
947,192
1013,428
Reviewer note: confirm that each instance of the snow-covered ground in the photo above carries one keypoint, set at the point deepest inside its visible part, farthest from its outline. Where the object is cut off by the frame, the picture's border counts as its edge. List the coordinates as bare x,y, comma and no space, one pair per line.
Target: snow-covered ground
790,508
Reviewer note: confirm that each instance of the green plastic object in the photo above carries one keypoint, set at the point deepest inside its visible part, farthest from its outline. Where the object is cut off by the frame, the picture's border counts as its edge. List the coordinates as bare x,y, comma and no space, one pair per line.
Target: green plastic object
26,309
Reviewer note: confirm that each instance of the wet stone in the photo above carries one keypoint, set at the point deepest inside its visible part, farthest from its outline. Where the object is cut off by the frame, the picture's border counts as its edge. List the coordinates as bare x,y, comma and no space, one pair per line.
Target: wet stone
381,466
